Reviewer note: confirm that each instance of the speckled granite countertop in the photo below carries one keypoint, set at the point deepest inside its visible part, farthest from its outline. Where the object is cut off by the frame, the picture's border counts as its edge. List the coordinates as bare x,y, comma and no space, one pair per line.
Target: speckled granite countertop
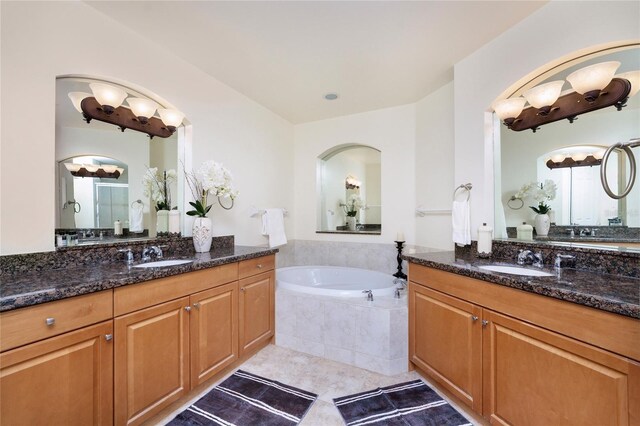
26,289
613,293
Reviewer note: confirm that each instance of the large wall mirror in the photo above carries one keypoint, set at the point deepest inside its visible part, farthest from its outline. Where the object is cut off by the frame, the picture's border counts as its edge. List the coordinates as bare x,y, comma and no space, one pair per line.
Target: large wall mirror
348,187
580,201
89,206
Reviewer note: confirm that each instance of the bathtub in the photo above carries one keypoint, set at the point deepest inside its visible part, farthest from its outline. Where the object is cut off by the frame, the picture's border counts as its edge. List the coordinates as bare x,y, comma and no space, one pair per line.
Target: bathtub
335,281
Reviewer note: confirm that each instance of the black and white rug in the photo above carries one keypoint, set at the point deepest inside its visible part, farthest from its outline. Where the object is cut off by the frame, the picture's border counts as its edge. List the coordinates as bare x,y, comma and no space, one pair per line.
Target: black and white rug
245,399
410,403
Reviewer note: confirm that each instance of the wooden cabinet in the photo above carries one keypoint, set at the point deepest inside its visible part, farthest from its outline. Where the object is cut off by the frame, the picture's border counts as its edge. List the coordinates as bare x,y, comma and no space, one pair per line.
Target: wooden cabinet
520,366
214,331
257,311
62,380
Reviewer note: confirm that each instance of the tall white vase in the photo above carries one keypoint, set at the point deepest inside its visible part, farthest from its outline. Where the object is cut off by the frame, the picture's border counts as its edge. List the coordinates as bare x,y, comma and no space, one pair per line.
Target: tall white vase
542,224
162,221
202,234
174,221
351,223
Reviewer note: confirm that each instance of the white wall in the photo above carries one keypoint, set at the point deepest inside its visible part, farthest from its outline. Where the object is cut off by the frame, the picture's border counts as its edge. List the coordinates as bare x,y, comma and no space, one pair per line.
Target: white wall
392,131
479,79
41,40
434,167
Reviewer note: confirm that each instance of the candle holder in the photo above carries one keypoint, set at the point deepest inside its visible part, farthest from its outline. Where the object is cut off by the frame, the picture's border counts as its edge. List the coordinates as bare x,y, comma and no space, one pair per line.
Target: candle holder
400,274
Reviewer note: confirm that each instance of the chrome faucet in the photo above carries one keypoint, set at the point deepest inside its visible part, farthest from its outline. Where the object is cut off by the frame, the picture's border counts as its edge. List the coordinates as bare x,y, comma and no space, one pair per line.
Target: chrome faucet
148,251
563,260
128,255
369,294
402,282
585,232
527,257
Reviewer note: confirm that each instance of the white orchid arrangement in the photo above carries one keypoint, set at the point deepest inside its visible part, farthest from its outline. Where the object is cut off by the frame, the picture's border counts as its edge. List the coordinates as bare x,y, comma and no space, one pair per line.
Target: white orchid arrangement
211,178
353,204
158,188
540,192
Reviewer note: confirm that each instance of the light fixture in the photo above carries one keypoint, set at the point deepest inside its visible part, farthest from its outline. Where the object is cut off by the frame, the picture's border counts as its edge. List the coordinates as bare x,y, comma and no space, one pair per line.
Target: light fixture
576,156
171,118
77,97
543,97
142,108
109,97
352,182
589,81
548,104
94,170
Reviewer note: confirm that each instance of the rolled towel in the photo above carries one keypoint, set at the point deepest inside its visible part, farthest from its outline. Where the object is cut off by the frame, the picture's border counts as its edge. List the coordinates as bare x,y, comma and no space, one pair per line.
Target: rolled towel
136,218
461,222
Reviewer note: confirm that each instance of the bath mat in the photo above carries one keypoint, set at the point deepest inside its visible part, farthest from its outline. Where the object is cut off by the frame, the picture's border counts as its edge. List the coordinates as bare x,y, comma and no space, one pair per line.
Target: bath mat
410,403
245,399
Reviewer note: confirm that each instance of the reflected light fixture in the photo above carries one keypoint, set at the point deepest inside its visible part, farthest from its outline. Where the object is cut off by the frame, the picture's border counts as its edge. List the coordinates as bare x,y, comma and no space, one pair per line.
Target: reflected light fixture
593,87
576,156
105,104
352,183
94,170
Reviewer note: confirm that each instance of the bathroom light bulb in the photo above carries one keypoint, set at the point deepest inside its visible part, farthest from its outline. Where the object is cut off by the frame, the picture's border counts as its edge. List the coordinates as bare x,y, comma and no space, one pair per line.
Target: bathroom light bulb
142,108
77,97
109,97
558,158
171,118
634,79
543,96
589,81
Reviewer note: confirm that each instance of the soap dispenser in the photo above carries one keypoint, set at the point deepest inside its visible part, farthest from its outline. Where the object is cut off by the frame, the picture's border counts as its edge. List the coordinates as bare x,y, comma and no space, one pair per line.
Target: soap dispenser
485,236
524,232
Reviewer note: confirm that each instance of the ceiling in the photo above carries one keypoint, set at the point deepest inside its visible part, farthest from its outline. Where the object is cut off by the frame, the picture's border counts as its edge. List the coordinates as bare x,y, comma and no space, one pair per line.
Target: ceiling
286,55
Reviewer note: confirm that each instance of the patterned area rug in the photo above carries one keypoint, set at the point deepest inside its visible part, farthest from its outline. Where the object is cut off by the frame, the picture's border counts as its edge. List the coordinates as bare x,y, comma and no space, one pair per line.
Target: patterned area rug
245,399
411,403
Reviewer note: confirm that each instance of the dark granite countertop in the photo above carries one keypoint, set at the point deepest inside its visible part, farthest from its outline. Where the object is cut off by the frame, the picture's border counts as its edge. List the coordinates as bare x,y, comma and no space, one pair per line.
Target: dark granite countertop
26,289
613,293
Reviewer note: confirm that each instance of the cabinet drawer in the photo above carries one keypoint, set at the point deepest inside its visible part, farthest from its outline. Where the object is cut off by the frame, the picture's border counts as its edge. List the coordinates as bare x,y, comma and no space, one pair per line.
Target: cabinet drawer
256,266
27,325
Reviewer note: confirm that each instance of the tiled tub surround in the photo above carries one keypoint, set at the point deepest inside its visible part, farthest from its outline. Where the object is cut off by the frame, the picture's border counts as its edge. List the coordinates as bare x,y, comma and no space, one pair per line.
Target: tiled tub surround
369,335
22,289
613,293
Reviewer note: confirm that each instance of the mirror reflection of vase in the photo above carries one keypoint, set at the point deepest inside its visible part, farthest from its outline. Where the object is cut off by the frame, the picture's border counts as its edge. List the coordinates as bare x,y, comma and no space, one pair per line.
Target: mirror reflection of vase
162,224
351,223
542,225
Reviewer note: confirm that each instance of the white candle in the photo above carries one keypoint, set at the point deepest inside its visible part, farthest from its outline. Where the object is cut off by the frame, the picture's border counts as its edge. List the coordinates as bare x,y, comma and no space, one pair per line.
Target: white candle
400,236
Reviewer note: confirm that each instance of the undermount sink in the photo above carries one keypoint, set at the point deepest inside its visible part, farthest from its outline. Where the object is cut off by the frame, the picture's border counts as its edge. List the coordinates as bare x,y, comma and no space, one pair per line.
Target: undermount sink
163,263
515,270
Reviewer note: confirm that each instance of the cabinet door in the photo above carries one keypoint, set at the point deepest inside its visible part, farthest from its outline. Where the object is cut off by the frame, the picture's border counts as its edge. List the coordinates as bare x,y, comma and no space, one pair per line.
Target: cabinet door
257,318
445,341
151,360
63,380
536,377
214,331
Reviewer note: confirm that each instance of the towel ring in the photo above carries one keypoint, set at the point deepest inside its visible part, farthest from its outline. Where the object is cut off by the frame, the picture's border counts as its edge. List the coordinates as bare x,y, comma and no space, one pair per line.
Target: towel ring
466,186
223,206
137,201
513,198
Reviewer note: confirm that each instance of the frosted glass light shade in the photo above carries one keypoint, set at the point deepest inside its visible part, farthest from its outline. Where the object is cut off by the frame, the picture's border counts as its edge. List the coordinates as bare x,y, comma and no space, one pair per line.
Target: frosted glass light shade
142,107
509,108
73,167
91,167
109,95
634,79
171,117
579,156
77,97
121,170
599,154
545,94
558,158
109,168
593,77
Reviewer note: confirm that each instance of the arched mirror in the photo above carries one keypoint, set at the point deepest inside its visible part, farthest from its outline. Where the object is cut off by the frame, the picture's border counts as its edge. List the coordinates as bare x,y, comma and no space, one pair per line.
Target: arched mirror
349,188
569,154
88,204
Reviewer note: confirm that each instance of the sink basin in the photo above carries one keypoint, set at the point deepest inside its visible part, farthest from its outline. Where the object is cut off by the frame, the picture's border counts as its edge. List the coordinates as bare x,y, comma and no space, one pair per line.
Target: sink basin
163,263
515,270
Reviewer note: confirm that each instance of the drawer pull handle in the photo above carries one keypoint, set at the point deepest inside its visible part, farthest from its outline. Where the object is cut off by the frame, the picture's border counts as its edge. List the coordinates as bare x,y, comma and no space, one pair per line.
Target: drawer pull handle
242,289
108,337
187,308
485,323
474,318
50,321
259,266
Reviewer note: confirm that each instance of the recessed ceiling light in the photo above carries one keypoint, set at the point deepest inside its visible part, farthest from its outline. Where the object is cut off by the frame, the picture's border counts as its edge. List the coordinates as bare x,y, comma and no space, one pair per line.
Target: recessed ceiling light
331,96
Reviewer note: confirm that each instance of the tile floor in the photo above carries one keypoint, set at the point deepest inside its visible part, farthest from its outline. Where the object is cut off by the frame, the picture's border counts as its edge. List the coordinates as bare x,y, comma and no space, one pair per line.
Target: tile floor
329,379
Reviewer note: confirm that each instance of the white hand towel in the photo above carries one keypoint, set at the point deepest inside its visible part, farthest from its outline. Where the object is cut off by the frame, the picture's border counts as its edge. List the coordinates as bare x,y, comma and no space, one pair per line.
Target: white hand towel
135,218
461,222
273,226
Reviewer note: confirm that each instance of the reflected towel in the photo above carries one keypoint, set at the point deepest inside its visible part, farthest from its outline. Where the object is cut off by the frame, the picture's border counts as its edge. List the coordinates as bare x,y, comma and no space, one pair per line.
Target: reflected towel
273,226
461,222
135,218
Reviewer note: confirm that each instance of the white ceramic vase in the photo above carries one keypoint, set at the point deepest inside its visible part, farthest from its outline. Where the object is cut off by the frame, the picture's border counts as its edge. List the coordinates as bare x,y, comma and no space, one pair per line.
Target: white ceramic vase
351,223
174,221
202,234
542,224
162,221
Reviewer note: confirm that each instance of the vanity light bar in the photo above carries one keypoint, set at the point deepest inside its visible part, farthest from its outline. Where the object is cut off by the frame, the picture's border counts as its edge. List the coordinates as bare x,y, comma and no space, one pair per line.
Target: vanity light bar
589,160
94,170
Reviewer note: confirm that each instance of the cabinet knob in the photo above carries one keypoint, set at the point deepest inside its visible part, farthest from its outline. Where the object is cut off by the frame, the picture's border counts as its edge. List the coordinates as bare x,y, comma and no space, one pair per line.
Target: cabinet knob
241,288
187,308
196,305
485,323
259,266
50,321
474,318
108,337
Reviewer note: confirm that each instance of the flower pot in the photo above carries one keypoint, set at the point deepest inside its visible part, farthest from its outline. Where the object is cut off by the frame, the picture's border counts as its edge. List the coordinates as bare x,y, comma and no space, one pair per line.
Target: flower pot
174,222
162,221
202,234
542,224
351,223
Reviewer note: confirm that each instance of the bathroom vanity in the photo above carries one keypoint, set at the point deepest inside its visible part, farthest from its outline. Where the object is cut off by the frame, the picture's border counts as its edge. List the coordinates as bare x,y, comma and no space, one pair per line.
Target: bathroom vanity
135,341
527,350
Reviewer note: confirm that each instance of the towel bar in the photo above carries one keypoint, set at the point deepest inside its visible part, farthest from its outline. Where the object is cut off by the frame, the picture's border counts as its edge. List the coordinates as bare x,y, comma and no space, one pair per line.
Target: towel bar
466,186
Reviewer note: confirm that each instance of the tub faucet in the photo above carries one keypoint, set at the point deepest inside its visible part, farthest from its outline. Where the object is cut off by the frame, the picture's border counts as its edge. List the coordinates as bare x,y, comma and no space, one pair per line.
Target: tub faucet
402,282
369,294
